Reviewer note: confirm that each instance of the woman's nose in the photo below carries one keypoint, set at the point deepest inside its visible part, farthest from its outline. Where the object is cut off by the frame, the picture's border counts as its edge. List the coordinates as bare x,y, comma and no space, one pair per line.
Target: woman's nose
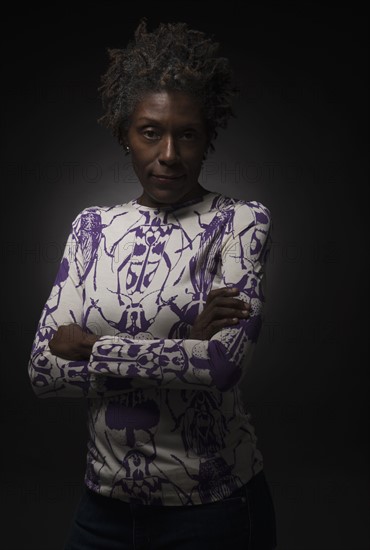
168,152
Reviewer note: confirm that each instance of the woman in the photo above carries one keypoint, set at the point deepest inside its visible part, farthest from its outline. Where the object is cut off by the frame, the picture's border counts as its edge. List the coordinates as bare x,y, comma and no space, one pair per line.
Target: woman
156,307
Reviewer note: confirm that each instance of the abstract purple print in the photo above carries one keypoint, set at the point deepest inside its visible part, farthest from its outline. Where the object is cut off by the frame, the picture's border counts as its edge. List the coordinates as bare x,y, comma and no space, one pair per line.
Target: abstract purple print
166,421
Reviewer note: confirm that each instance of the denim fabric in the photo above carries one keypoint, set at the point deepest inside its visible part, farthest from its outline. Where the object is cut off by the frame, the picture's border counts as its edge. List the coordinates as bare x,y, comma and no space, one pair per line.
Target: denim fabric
243,521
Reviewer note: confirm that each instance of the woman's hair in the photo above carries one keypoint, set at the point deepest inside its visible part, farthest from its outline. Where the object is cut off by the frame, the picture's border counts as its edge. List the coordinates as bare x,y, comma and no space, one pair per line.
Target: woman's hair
172,57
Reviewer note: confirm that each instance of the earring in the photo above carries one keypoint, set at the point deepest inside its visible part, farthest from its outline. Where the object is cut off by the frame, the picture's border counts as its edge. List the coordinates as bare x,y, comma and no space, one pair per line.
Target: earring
127,149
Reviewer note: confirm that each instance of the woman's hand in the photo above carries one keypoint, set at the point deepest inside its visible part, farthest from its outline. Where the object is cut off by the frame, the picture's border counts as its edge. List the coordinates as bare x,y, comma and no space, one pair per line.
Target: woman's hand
72,343
220,310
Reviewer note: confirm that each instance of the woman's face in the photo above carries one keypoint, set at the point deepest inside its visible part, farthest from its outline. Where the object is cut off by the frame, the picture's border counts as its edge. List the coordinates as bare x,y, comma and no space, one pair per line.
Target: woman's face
168,139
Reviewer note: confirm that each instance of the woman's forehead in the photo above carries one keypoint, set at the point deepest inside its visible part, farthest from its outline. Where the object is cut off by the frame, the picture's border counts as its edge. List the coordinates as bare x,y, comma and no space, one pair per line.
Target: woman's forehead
172,104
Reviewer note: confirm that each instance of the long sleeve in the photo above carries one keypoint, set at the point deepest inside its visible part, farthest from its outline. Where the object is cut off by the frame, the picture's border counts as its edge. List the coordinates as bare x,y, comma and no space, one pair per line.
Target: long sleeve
138,277
50,375
215,364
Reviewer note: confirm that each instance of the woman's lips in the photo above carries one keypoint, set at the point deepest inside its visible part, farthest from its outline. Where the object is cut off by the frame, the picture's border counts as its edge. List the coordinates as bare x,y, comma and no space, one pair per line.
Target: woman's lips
162,178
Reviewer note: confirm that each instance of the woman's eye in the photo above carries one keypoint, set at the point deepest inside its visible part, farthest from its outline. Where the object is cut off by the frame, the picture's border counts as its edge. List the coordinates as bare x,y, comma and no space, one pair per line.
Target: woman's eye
187,136
151,134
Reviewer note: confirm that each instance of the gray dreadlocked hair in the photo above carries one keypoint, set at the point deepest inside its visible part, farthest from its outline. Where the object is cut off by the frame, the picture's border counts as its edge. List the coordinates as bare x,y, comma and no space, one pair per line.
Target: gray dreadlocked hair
172,57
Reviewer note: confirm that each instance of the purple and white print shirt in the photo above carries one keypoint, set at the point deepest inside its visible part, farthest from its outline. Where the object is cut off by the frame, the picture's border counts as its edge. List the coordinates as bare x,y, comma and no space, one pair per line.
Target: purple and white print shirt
166,421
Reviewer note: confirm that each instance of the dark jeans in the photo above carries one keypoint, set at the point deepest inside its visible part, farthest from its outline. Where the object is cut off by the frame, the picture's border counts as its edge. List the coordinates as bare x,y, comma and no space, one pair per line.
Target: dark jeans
245,520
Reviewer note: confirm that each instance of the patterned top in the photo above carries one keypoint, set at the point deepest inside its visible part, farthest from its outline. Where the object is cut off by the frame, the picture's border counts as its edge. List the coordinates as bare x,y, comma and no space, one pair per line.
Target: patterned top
166,421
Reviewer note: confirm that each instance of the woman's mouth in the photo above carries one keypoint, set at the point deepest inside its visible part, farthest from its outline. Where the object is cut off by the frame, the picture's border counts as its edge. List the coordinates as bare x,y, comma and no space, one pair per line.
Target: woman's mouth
165,178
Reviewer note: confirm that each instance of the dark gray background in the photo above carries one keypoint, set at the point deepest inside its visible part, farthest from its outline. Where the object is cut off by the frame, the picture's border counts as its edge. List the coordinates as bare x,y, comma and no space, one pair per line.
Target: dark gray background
298,146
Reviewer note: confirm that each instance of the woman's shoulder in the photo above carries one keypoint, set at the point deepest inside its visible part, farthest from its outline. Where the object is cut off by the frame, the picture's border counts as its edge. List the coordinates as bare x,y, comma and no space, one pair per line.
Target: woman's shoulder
97,212
245,211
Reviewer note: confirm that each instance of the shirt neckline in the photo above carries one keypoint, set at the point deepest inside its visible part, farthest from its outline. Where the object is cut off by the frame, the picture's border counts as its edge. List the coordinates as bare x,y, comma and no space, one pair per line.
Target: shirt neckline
173,207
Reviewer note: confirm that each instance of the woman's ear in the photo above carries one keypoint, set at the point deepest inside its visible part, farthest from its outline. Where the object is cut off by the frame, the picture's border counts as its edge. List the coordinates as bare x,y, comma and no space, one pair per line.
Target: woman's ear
124,140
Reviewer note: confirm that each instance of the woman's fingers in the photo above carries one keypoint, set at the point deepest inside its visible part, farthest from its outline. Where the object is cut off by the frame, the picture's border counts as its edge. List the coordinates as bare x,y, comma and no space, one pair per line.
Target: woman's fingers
222,308
66,341
207,331
224,291
220,312
225,297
